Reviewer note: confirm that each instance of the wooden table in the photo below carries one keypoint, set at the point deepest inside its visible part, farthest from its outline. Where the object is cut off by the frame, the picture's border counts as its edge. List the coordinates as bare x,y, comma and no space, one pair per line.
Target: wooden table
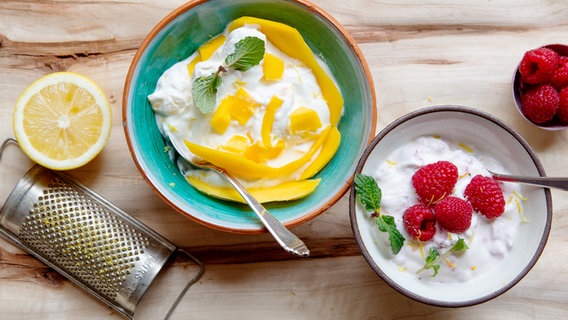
421,53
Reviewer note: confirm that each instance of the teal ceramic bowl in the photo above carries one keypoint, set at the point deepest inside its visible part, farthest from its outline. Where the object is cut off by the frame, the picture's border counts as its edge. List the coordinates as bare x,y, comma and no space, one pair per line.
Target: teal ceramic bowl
176,37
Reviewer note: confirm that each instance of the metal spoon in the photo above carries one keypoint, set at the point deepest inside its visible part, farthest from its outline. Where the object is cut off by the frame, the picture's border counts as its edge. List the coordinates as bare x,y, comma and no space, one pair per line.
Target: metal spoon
283,236
547,182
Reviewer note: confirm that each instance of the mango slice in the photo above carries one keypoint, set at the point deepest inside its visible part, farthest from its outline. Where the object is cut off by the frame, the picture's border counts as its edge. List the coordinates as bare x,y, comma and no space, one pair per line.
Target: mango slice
327,152
291,42
191,65
304,119
282,192
268,119
273,67
207,50
248,169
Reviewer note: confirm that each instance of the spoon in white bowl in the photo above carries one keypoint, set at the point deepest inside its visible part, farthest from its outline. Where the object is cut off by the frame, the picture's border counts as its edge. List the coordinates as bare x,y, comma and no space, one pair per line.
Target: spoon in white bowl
547,182
289,241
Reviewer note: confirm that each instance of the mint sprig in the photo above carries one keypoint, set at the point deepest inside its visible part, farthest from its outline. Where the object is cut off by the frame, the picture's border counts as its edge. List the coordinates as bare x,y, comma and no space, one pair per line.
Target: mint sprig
370,195
434,257
249,51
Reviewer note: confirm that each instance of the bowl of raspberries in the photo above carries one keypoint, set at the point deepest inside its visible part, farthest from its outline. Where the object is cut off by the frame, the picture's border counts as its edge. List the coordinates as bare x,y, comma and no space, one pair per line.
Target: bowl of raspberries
540,86
431,220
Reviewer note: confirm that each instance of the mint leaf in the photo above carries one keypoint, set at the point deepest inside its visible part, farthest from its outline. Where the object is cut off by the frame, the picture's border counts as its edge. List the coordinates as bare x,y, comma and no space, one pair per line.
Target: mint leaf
204,92
370,195
368,191
434,258
386,224
248,53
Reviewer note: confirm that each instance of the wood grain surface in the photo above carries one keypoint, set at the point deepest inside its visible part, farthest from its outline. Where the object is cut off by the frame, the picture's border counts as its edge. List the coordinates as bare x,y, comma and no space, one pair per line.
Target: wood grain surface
420,52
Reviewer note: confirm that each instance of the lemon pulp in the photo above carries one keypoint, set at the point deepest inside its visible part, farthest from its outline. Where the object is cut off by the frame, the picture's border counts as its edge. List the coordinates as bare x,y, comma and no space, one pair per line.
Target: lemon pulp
62,120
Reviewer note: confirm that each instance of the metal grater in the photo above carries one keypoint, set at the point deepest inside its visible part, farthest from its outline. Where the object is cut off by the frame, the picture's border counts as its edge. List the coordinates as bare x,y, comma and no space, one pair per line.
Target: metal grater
87,239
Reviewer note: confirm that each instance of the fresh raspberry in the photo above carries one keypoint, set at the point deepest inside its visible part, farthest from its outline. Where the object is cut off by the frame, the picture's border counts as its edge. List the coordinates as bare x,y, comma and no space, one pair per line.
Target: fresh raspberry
453,214
537,65
485,196
540,104
563,106
559,77
434,181
420,222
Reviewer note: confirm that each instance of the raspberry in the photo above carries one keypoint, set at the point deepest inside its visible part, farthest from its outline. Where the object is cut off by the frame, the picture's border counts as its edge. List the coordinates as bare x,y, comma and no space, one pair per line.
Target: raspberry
434,181
453,214
420,222
540,104
485,196
559,77
537,65
563,106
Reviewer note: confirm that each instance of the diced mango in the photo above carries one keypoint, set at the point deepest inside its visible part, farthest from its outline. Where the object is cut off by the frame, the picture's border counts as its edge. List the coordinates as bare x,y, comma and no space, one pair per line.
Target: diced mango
291,42
207,50
282,192
273,67
221,118
242,106
327,152
304,119
245,168
268,120
237,144
260,153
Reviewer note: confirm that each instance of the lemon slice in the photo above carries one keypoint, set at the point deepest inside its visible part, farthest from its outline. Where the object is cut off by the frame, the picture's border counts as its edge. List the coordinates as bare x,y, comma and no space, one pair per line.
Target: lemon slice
62,120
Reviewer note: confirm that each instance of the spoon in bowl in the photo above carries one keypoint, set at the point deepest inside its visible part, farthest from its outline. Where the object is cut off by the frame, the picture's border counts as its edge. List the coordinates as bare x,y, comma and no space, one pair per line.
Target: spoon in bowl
547,182
283,236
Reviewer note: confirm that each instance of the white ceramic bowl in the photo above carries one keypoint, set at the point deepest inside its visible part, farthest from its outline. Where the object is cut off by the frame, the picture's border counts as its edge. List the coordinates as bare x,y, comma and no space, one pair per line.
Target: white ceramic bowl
492,137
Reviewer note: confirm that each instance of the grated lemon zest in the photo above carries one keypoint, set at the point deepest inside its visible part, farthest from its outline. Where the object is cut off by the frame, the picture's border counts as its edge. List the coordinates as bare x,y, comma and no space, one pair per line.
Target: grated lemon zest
450,264
421,246
391,163
524,219
465,148
473,268
520,197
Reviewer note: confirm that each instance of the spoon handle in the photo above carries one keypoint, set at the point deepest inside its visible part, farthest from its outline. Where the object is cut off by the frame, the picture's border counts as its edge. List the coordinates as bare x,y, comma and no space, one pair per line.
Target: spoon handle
289,241
551,182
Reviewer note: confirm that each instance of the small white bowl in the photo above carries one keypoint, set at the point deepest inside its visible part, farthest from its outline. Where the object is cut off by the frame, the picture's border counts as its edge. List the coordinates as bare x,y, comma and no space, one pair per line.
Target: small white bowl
493,137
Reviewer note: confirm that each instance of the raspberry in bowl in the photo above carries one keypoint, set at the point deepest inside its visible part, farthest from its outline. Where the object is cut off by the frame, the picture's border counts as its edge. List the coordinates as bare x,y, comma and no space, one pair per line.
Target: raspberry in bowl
540,86
462,238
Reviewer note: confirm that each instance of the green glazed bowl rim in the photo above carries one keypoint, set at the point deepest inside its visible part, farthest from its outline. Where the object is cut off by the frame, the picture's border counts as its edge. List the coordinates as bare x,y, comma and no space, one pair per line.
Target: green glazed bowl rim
193,207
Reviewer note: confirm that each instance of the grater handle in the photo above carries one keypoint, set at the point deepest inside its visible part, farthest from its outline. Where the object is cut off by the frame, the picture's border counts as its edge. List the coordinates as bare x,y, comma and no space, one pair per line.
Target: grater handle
191,282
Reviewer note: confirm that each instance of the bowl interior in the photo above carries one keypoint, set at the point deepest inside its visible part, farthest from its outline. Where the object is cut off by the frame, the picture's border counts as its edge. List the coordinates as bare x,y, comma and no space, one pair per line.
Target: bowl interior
178,36
493,138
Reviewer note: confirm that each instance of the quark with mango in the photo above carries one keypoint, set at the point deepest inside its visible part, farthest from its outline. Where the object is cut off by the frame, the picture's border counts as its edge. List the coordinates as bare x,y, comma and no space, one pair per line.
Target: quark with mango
272,124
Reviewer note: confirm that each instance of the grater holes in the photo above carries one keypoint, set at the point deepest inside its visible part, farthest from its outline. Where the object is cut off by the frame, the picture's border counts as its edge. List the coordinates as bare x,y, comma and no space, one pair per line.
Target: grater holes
82,237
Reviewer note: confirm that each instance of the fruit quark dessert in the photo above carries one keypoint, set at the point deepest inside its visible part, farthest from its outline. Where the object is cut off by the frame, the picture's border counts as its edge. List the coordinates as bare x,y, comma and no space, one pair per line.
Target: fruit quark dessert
544,87
257,102
442,197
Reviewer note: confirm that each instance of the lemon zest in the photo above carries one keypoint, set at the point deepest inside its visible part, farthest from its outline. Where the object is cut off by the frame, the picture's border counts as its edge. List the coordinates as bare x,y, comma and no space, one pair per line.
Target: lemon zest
465,148
450,264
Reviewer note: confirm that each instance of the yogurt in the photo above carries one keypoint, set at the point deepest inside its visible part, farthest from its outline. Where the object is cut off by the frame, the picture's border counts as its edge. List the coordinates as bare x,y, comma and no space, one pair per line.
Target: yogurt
488,240
298,88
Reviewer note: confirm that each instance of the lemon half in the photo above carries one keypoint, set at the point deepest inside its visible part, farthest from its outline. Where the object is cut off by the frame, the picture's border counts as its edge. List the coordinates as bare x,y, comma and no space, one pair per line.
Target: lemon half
62,120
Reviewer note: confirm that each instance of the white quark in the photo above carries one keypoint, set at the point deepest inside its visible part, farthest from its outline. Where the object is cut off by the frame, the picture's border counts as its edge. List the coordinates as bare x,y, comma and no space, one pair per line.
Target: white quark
173,104
488,240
